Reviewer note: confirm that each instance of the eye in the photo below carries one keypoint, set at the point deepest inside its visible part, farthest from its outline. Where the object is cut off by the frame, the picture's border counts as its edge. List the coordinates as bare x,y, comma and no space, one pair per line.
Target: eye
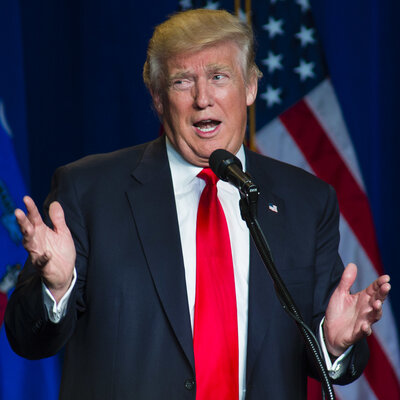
218,77
181,84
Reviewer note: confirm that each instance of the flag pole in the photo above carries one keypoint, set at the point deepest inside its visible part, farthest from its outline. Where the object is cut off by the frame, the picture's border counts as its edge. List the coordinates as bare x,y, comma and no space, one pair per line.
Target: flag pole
237,7
252,108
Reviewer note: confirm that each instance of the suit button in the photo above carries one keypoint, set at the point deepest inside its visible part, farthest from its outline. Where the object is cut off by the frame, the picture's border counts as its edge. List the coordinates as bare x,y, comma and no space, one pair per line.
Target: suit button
189,384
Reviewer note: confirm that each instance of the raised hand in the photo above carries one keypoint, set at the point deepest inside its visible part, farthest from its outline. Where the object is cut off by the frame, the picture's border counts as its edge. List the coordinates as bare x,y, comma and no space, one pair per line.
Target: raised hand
52,251
349,317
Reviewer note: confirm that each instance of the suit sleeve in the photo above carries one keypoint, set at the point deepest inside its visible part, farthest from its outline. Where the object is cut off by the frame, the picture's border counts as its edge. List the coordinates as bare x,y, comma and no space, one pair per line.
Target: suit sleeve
329,268
30,332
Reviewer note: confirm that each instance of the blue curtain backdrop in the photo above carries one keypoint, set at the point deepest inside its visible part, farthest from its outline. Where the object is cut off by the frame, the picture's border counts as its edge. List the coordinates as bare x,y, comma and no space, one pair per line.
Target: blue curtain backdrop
84,93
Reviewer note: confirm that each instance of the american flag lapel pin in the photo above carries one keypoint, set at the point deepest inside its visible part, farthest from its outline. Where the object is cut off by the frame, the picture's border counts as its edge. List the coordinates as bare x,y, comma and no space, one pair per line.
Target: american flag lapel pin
273,207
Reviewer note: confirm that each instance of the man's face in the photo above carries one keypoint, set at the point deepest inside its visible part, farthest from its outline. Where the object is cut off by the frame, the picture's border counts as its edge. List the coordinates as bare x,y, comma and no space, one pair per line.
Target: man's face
204,106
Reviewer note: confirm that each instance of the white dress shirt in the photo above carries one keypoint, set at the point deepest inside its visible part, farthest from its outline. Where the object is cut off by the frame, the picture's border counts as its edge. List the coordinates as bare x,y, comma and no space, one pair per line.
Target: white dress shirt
187,190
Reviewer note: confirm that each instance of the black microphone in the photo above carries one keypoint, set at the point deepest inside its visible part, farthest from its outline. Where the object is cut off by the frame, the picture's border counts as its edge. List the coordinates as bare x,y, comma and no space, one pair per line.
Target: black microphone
229,169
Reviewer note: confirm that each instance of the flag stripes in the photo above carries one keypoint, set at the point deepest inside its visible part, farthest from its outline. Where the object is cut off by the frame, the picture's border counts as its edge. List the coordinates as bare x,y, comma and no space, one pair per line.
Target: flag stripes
308,136
380,374
329,166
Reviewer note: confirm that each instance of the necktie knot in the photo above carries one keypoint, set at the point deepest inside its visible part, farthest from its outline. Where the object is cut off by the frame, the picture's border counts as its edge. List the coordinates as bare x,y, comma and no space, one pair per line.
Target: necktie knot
208,176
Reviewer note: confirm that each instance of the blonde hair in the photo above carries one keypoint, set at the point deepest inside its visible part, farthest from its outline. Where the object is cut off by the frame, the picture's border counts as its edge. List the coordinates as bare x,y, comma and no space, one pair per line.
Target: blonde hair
191,31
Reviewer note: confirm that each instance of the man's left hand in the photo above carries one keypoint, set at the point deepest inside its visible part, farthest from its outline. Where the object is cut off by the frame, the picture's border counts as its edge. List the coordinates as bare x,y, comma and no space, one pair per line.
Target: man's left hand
349,317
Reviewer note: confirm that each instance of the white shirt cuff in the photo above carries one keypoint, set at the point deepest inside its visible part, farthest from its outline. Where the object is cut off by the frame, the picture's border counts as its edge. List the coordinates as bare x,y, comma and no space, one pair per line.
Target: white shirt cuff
57,311
340,363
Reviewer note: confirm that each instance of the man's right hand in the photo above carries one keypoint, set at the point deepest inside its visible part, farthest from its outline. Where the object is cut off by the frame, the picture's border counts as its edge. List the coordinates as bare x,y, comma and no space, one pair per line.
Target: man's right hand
52,251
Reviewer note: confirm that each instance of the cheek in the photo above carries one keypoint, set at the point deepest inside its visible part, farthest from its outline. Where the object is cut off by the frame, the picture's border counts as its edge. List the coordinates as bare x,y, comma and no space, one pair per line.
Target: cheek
179,109
235,100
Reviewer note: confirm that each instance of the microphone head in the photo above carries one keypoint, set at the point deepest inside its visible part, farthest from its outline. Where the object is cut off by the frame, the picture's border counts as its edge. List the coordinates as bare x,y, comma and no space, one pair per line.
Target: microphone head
220,160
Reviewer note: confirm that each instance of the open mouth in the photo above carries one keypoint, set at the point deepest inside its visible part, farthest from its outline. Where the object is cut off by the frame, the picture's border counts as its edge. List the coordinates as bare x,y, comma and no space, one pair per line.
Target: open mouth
207,125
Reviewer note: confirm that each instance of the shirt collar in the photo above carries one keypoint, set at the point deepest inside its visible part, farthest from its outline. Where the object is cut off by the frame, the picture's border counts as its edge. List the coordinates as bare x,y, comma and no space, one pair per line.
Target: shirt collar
183,173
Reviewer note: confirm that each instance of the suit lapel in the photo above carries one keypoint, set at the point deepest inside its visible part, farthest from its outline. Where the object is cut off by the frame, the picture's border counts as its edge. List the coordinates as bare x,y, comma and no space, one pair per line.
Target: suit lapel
263,303
153,207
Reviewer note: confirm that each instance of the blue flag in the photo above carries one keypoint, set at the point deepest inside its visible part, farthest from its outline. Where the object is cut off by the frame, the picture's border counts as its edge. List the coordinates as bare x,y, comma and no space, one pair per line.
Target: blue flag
20,379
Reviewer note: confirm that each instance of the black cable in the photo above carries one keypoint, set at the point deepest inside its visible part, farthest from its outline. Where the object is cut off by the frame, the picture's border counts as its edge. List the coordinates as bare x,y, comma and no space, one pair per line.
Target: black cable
314,344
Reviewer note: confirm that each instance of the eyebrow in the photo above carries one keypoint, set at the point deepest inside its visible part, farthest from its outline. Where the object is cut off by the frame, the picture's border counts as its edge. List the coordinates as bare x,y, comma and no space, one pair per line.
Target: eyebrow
184,73
218,67
180,75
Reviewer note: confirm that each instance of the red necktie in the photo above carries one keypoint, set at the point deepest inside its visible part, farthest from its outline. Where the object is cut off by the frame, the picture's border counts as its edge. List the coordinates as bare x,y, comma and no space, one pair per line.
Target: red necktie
215,336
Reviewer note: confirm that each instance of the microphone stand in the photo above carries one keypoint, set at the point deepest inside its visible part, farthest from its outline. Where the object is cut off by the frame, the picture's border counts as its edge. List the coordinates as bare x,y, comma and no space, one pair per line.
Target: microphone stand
248,208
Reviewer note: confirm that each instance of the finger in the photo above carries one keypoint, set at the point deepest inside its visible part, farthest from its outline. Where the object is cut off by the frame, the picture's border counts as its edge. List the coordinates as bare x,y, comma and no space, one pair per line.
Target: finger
33,212
383,292
25,225
376,312
366,329
57,217
383,279
348,277
377,305
380,287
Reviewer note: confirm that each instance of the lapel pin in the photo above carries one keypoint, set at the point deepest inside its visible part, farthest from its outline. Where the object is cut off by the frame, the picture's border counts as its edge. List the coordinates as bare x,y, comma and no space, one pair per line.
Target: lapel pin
273,207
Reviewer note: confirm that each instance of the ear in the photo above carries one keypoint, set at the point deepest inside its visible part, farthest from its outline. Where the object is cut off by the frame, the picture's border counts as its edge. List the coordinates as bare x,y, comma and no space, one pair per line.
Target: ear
251,90
158,105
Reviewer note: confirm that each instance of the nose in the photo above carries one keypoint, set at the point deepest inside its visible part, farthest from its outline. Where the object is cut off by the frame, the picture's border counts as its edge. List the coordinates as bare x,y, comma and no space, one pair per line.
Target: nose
203,95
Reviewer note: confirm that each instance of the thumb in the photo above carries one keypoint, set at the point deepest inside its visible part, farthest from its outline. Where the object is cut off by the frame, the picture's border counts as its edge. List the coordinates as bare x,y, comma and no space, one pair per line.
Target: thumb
56,214
348,277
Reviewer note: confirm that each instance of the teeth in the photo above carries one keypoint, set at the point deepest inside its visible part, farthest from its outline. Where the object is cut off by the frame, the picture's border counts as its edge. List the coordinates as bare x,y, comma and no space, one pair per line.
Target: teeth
207,125
205,129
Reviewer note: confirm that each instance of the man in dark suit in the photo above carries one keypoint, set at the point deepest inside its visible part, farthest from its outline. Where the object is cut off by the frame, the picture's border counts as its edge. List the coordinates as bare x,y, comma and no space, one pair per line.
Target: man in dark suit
113,274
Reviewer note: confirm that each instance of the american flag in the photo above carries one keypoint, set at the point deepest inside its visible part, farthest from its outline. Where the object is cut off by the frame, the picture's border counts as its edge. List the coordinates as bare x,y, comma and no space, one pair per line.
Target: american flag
299,121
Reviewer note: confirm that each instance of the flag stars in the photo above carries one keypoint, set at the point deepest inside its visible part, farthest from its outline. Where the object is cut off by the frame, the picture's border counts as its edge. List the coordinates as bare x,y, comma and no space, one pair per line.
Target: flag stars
242,15
305,36
274,27
273,62
305,70
272,96
304,4
212,5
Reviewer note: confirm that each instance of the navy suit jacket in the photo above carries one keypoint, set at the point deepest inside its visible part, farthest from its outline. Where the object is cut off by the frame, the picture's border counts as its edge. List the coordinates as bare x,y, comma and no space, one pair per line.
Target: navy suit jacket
127,329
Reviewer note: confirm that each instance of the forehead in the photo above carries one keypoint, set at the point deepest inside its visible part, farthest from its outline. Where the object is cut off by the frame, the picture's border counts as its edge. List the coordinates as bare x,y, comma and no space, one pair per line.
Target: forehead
222,55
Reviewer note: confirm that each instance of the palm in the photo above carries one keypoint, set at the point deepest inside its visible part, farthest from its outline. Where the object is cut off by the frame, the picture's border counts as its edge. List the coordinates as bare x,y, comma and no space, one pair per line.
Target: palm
52,251
57,247
349,317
